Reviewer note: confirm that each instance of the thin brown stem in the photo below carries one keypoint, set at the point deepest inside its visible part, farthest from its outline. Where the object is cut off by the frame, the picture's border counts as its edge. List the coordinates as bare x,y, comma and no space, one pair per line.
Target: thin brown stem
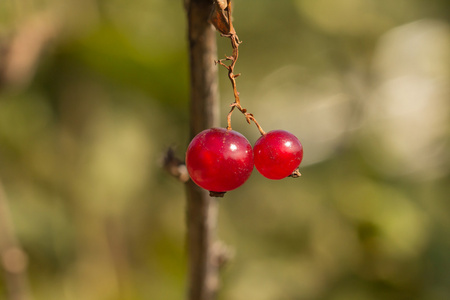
231,34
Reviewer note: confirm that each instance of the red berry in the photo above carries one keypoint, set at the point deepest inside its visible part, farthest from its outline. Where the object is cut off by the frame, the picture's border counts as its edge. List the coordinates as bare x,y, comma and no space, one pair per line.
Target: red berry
277,154
219,160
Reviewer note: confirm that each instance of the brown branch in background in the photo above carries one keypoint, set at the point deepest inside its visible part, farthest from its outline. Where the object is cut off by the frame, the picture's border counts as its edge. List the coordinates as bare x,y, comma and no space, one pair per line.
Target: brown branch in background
221,19
19,56
13,260
20,53
205,255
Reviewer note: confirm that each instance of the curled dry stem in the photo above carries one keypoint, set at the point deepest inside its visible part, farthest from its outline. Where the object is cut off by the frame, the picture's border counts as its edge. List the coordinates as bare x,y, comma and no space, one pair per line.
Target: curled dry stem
221,19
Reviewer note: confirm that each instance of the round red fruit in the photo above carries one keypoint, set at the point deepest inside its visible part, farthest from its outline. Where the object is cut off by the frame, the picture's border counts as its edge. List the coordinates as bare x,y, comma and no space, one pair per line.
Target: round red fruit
277,154
219,160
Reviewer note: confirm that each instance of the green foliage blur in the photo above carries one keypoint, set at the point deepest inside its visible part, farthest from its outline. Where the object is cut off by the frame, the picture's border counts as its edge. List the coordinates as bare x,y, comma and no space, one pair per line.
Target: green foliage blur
93,92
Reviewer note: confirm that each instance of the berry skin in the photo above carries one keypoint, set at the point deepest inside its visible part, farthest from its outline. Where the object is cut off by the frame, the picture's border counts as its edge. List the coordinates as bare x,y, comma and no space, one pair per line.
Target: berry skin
277,154
219,160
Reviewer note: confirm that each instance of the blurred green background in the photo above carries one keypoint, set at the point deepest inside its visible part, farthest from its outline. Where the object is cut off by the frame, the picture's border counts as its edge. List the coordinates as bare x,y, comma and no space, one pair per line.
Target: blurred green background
93,92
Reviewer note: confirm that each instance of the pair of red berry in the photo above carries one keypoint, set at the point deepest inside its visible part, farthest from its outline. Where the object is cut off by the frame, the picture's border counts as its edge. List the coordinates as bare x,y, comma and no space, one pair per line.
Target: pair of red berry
221,160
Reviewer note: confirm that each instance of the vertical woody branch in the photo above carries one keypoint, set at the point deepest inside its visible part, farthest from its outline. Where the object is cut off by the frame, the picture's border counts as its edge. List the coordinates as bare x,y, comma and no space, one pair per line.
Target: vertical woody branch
202,209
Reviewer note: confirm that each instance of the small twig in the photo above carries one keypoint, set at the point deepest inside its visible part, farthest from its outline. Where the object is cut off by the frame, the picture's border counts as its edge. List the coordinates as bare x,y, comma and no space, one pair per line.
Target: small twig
224,25
222,253
175,166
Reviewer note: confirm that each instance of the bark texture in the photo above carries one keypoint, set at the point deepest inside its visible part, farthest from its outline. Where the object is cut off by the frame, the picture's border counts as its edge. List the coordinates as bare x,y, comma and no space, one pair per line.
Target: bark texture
201,208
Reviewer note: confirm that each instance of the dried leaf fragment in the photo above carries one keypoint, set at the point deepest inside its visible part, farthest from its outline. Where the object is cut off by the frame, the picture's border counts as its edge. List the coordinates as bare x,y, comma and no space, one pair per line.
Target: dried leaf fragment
219,17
